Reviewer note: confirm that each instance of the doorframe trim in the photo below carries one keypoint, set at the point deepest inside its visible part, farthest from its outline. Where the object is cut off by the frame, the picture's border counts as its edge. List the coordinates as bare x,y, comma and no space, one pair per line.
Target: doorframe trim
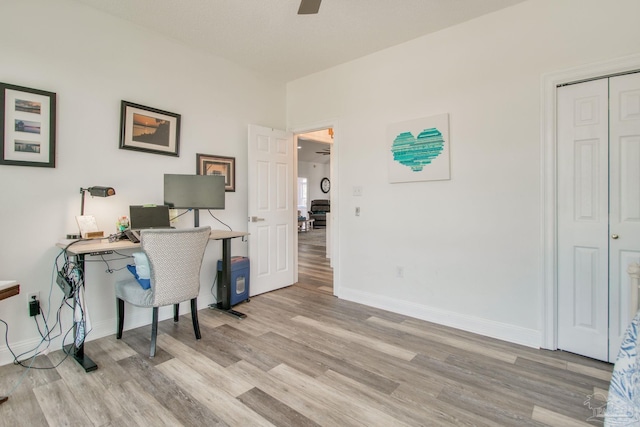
548,182
334,238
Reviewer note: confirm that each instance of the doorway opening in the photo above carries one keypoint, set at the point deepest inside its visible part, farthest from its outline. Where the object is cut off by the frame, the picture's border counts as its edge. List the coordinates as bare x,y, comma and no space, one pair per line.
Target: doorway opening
314,210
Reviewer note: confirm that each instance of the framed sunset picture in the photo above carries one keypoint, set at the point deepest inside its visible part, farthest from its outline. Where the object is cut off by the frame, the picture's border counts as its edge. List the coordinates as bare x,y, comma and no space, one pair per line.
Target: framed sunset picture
149,129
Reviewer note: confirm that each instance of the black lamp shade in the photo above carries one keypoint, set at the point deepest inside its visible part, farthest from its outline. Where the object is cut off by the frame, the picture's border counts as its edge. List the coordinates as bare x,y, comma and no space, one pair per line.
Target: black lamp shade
101,191
95,191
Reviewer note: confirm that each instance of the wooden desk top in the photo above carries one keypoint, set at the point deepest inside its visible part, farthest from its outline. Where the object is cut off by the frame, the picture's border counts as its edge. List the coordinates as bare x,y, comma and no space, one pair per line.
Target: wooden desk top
101,245
95,245
225,234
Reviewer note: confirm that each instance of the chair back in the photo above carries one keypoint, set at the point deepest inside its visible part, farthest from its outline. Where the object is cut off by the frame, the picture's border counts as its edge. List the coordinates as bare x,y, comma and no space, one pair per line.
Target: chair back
175,257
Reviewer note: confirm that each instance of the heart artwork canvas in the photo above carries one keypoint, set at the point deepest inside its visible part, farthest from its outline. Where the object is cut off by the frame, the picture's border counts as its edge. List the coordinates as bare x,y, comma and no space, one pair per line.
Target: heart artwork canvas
419,150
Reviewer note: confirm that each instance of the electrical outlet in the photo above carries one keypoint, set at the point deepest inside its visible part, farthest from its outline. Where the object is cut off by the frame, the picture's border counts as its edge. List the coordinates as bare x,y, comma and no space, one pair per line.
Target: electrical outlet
34,303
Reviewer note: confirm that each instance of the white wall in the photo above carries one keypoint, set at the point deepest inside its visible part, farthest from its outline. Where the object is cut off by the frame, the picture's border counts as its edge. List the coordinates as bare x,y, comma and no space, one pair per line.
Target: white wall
93,61
470,247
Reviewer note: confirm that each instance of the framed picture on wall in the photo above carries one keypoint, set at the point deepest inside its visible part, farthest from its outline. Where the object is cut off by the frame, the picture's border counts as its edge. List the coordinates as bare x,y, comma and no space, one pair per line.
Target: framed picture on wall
218,165
28,125
149,129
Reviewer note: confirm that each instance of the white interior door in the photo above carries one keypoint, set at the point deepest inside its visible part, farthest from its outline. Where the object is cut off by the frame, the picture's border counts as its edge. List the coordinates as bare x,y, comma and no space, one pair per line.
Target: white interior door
598,212
271,209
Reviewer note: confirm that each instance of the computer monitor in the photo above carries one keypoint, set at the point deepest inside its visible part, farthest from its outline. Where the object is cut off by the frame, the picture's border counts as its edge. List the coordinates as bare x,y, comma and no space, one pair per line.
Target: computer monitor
194,191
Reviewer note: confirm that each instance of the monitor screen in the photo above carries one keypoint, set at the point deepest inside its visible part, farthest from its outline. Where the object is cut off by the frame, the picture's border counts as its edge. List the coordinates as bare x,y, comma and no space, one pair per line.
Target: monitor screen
194,191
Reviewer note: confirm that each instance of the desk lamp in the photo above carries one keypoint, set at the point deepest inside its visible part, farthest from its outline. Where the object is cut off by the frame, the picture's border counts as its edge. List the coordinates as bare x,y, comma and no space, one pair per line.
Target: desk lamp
95,191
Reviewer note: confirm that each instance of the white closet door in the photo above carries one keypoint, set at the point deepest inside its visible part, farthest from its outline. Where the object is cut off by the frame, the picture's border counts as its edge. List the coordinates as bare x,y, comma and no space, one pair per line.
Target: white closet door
583,306
598,212
624,200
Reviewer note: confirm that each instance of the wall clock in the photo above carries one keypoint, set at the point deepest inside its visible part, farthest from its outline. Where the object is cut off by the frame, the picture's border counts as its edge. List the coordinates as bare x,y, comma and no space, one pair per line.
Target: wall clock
325,185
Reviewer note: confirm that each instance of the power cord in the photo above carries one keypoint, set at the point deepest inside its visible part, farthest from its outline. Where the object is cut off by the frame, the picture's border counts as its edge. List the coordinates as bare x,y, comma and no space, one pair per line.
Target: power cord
179,215
36,352
70,279
24,374
106,261
218,219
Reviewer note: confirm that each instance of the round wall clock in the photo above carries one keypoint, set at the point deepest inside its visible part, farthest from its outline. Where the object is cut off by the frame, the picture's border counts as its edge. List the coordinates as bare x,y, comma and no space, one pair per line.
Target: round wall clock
325,185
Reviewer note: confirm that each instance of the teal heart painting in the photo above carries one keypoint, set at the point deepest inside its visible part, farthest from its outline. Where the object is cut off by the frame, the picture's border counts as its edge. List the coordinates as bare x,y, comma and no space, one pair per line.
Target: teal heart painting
418,152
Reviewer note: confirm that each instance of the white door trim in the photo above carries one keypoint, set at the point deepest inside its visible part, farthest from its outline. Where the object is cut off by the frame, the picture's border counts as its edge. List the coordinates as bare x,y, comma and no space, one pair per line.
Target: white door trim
334,177
549,285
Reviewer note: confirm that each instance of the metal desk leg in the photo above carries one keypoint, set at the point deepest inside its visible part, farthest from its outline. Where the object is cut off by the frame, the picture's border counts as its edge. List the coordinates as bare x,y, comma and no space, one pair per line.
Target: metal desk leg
78,351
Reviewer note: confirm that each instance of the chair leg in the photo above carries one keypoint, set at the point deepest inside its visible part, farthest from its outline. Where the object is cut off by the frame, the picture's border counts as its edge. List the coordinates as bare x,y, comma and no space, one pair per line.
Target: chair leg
154,332
120,317
176,312
194,318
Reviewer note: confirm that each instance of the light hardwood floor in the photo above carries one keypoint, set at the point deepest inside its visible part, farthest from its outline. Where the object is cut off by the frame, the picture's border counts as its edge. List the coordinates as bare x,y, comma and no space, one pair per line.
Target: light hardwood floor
305,358
315,271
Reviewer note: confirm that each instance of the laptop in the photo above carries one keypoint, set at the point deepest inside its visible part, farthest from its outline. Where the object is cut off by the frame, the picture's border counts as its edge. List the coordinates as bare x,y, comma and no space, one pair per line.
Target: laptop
144,217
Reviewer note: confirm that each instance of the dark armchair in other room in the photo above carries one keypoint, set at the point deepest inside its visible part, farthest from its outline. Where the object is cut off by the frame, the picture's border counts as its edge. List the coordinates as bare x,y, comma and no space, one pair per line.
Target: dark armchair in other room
318,212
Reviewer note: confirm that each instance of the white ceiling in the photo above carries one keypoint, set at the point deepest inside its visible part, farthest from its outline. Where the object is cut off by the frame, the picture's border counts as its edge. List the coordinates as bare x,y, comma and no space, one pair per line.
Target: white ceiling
315,147
313,152
268,36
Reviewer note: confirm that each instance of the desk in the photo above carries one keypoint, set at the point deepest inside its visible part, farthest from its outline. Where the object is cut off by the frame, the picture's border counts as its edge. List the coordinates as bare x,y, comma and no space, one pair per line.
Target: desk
103,246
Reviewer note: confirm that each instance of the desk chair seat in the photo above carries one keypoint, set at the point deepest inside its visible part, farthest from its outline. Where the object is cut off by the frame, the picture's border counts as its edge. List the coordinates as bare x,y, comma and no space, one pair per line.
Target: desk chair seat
175,257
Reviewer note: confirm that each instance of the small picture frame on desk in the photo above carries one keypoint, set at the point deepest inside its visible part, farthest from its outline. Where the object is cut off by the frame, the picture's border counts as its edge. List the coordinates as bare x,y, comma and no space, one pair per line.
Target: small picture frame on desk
28,126
149,129
88,227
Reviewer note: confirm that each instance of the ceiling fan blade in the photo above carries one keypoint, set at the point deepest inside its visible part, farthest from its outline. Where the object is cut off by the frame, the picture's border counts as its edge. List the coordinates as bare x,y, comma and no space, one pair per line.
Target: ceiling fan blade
309,7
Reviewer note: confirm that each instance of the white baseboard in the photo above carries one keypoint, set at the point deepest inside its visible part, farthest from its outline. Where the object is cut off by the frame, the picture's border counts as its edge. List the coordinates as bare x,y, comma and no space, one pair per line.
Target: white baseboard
489,328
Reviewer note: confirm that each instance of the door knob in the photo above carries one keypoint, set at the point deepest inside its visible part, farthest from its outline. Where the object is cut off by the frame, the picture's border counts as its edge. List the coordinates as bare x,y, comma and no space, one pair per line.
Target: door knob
256,219
614,236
